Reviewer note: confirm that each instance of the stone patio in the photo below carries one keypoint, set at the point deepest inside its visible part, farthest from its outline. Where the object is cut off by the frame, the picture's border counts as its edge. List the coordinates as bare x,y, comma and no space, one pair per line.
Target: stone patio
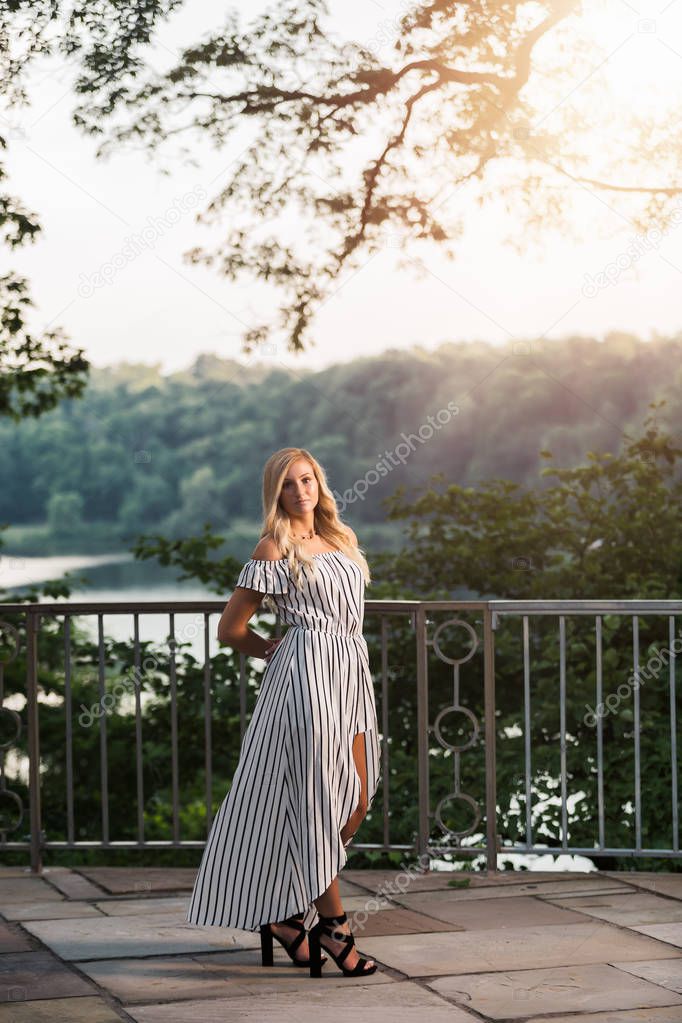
105,944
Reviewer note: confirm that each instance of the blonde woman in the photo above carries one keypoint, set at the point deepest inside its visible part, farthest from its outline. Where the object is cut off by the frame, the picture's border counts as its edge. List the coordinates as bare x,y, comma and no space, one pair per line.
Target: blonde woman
308,767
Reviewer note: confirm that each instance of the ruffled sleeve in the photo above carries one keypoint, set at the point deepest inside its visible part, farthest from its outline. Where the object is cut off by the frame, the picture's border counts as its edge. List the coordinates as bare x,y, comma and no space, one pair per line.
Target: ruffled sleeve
265,576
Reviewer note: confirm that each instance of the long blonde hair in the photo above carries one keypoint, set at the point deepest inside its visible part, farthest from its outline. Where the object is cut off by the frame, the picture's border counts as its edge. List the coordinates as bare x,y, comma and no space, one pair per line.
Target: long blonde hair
326,522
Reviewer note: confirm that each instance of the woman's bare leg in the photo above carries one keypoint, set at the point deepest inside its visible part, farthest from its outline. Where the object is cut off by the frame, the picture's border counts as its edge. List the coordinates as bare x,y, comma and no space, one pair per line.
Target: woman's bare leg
356,818
329,902
288,934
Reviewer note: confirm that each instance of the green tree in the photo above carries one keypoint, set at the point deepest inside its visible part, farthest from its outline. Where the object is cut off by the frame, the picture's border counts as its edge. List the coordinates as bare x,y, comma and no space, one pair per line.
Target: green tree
148,502
36,371
607,529
364,142
582,537
65,513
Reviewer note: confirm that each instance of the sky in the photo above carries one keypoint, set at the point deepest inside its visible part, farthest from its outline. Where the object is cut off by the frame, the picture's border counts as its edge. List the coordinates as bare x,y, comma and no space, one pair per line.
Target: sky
158,309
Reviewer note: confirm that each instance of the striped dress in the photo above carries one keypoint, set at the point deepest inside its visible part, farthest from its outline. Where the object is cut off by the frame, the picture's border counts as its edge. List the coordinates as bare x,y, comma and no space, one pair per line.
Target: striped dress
275,842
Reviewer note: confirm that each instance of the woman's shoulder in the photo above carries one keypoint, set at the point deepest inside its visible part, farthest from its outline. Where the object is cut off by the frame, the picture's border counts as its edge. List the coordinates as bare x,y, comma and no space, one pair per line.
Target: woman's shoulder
266,550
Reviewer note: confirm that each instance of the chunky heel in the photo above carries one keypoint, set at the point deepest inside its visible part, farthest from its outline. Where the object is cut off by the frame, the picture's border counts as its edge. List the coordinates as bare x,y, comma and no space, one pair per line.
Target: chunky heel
315,956
266,945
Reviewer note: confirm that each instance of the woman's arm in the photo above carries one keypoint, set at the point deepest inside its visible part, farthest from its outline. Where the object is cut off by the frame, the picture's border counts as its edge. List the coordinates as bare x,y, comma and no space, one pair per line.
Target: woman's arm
233,625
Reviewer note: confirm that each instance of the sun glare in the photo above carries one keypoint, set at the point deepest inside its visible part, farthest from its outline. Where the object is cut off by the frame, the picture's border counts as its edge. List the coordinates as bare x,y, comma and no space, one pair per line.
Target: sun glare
638,47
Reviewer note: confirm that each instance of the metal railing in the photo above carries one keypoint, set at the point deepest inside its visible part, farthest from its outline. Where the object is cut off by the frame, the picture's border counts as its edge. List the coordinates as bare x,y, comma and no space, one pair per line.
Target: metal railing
430,687
631,610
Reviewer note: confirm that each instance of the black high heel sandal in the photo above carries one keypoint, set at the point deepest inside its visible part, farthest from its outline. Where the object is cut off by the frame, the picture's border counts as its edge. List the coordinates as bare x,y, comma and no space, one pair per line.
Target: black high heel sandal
267,934
327,925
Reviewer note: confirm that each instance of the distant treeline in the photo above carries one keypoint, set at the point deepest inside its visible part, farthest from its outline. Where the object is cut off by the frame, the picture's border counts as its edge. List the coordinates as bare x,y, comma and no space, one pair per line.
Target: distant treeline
146,451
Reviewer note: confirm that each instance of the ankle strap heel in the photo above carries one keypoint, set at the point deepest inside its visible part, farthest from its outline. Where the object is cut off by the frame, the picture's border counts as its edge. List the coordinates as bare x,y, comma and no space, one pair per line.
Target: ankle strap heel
329,926
333,919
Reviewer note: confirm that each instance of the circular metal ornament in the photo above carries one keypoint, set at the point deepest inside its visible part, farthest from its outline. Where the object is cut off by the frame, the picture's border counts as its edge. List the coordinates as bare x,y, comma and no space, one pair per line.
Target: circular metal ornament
17,799
464,798
17,725
469,629
474,733
6,627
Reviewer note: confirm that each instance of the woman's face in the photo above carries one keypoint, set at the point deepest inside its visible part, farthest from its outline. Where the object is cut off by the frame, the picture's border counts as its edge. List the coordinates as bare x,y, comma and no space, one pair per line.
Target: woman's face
299,493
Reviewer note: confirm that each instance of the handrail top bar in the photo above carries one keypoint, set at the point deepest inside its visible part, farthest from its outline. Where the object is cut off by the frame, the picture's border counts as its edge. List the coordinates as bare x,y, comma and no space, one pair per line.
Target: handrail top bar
387,606
164,606
582,606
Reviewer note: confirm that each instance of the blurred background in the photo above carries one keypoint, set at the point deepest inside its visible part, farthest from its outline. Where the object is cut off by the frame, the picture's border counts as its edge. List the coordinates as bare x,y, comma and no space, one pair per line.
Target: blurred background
436,244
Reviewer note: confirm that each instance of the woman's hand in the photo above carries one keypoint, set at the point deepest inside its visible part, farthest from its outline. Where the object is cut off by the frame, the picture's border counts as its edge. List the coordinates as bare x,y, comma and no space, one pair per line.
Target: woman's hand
271,649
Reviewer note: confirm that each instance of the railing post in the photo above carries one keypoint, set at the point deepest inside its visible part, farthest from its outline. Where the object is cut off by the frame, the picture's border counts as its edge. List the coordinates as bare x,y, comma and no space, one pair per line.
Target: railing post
490,737
32,625
422,738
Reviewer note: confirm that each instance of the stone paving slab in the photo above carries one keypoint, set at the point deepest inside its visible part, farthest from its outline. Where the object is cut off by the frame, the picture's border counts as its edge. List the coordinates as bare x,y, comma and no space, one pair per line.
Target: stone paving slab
121,880
427,955
48,910
397,921
523,993
12,939
27,889
218,975
325,1002
670,933
667,973
59,1010
436,880
130,936
348,887
180,903
72,884
484,914
587,892
141,880
664,884
38,974
368,902
177,904
114,937
626,910
554,889
671,1015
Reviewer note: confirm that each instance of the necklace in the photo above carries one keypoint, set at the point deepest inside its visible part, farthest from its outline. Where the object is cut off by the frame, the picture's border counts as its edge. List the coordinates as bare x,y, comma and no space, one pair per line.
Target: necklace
307,536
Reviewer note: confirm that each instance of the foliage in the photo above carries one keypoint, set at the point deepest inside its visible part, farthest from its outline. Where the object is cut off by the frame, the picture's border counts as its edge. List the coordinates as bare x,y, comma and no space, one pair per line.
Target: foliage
36,371
581,537
167,453
608,529
359,143
615,499
192,557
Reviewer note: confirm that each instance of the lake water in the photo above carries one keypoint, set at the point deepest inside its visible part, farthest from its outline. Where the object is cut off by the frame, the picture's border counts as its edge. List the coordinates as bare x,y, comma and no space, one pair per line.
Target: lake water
120,577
